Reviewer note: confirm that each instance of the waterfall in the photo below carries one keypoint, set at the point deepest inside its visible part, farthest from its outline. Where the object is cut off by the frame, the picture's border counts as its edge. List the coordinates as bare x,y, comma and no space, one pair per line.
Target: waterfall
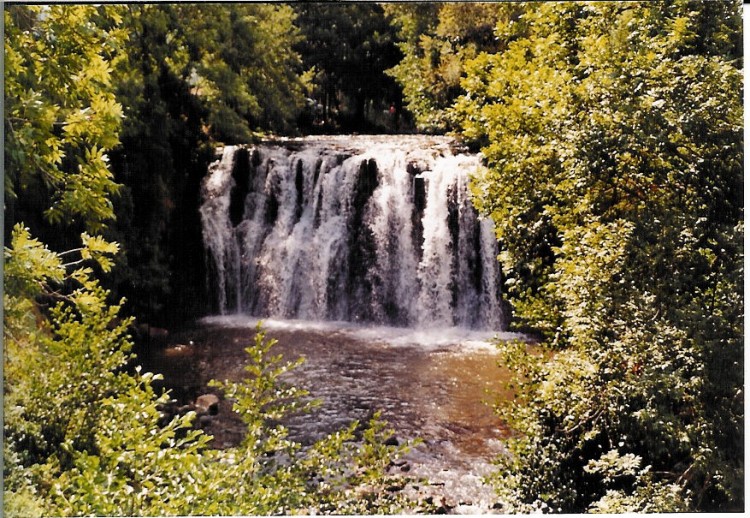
360,229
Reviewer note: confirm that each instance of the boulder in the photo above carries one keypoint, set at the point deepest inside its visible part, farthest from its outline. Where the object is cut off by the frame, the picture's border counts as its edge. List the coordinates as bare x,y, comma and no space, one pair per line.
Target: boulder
207,404
391,441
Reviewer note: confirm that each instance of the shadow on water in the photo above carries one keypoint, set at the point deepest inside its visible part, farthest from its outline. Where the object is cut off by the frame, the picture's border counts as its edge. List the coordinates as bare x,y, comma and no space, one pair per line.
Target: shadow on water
440,392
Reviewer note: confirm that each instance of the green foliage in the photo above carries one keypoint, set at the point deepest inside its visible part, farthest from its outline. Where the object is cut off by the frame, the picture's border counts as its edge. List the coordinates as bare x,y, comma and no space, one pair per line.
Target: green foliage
346,49
61,115
163,153
339,474
70,346
153,88
248,72
437,42
613,133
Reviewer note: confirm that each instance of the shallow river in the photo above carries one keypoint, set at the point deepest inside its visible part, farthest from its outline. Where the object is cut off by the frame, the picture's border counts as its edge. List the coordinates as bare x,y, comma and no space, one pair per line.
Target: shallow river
437,385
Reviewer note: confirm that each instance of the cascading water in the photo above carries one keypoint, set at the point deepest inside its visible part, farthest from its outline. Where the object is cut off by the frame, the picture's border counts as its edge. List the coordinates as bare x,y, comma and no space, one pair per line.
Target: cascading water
361,229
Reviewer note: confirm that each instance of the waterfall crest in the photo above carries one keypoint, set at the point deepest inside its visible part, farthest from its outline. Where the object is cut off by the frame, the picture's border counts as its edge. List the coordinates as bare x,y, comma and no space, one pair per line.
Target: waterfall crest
360,229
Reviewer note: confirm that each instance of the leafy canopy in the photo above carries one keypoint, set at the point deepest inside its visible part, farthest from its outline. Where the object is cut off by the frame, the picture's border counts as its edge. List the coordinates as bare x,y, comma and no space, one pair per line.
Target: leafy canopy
61,116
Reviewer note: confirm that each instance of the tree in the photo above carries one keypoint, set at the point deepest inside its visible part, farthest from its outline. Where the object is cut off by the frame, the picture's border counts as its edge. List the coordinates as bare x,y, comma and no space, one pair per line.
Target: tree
61,116
248,71
163,154
613,135
437,39
346,49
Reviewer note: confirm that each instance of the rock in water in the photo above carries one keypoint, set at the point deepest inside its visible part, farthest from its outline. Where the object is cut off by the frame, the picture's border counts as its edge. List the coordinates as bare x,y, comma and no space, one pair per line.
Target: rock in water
207,404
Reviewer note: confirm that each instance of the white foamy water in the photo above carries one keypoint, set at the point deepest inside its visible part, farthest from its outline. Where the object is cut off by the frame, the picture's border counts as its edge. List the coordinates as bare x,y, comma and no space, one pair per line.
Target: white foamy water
374,230
455,338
